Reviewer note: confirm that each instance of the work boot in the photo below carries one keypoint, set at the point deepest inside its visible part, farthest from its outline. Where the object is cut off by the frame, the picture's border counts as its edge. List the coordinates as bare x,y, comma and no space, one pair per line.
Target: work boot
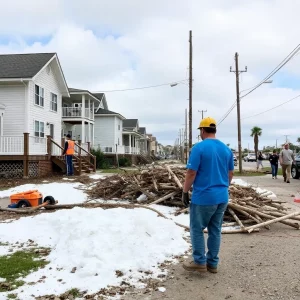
212,269
192,266
288,181
284,178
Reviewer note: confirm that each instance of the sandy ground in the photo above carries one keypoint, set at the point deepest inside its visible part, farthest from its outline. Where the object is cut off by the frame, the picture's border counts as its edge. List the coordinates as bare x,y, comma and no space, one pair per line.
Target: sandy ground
264,265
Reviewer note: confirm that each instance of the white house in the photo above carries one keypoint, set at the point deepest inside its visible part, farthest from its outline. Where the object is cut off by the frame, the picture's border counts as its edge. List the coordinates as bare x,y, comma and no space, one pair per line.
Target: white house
108,131
32,89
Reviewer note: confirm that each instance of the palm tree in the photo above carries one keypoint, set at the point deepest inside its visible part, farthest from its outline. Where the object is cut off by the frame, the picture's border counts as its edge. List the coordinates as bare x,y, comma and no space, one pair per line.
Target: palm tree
298,140
255,133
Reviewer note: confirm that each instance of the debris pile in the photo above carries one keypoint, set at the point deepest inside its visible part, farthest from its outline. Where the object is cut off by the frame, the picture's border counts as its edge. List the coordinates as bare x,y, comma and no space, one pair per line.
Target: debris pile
158,184
248,210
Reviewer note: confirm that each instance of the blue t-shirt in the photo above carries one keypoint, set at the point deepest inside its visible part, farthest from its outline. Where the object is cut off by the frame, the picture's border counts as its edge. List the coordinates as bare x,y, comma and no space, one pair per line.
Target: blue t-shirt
212,160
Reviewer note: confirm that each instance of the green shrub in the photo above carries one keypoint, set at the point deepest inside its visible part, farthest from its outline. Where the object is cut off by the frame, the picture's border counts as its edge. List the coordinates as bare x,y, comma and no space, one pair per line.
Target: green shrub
124,162
101,161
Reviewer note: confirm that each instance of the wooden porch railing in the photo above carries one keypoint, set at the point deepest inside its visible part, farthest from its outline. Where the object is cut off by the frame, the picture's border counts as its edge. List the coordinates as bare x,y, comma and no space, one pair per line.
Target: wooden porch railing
54,149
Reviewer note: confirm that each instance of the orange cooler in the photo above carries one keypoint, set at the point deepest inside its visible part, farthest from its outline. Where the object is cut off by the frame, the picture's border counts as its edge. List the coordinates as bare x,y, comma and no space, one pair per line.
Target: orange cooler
34,197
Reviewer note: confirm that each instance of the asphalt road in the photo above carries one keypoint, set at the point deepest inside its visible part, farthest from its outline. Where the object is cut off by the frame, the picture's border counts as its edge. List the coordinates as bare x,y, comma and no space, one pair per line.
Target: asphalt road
252,165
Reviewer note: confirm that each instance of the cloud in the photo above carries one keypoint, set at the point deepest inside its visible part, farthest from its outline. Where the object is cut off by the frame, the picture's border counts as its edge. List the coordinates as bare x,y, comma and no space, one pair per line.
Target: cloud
107,45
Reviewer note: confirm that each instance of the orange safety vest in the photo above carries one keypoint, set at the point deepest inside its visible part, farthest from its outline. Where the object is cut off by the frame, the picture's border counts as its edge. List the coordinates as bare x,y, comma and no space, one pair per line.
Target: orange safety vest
70,150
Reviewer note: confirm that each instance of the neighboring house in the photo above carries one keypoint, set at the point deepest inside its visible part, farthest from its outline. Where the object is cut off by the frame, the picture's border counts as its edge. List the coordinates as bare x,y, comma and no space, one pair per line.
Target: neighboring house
108,131
131,136
31,90
153,144
78,114
144,141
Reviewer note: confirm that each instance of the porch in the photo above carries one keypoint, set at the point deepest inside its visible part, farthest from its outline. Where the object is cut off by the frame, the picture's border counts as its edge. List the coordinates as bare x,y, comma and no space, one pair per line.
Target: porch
29,156
118,149
131,142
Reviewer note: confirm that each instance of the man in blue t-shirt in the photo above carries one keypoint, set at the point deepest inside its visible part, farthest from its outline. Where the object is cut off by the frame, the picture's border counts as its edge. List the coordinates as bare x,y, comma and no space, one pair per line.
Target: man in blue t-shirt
210,171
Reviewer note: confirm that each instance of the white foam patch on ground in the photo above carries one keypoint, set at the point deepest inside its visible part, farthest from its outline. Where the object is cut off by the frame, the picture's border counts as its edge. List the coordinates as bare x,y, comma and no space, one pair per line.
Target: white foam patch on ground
95,241
97,176
65,193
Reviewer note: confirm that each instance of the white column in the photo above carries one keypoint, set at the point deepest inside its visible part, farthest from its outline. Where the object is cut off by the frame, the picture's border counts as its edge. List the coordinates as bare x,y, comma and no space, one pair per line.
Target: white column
83,106
93,109
93,134
89,135
89,111
130,143
82,131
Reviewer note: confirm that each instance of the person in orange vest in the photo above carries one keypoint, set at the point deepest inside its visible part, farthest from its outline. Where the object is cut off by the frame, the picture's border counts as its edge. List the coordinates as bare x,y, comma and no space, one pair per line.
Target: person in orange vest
69,152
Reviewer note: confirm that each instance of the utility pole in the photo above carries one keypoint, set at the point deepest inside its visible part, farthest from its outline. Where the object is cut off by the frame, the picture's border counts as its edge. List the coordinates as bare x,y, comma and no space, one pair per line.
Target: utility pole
286,135
185,137
237,73
202,111
190,92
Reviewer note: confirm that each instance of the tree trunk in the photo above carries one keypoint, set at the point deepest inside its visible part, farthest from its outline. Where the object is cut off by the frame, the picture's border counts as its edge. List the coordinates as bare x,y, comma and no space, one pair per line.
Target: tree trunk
256,145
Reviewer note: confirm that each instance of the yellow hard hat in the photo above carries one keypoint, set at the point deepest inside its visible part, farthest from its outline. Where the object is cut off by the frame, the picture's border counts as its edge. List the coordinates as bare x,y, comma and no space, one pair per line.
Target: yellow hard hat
208,123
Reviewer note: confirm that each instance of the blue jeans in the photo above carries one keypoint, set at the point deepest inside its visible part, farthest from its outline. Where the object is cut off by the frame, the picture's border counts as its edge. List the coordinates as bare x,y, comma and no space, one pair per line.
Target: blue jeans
69,163
210,217
274,170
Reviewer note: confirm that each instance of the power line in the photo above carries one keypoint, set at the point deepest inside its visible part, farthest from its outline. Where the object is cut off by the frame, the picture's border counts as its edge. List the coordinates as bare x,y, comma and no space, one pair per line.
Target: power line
293,53
272,108
141,88
281,65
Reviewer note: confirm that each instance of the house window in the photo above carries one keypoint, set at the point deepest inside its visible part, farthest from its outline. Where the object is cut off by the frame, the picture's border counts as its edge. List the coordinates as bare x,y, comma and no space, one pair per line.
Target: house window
119,127
39,96
39,129
53,102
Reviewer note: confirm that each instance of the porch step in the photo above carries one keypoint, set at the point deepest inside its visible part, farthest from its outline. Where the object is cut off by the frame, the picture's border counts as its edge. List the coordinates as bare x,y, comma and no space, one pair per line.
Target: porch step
61,163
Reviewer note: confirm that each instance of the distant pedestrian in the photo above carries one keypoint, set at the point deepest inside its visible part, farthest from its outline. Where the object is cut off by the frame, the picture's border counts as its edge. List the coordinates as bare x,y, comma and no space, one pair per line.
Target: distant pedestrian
274,163
259,160
209,170
69,151
286,159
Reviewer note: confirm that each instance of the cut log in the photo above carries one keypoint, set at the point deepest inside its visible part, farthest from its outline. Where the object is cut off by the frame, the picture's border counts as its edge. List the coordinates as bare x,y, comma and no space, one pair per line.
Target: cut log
175,178
163,198
236,218
280,219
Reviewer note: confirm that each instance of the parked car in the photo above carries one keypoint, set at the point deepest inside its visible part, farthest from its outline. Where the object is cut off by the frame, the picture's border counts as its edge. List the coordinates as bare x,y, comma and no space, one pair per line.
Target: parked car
250,157
296,167
235,160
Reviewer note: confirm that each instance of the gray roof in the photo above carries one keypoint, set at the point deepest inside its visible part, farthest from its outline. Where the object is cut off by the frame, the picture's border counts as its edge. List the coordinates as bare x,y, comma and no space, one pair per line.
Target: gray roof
130,123
142,130
102,111
23,65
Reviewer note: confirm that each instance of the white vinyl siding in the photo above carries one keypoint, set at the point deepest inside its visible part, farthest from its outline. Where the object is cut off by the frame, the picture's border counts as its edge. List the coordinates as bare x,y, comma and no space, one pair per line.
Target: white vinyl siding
13,97
39,96
49,82
53,102
105,131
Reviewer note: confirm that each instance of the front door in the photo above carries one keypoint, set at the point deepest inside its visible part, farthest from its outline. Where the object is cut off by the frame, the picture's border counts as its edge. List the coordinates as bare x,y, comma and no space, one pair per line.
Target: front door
52,130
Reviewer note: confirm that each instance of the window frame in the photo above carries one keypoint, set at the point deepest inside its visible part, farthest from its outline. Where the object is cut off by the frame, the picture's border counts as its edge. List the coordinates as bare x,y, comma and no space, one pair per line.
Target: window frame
52,95
41,134
40,95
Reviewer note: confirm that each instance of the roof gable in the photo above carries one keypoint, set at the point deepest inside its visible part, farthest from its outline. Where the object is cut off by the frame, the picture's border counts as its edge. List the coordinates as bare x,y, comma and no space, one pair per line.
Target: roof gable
130,123
23,65
102,111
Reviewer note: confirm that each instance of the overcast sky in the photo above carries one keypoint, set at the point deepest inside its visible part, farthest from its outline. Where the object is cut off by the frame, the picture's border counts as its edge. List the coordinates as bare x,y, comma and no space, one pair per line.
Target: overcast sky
117,44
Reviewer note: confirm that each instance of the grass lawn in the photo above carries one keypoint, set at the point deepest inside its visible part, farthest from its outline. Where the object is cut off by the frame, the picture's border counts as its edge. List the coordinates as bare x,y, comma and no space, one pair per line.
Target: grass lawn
16,265
248,173
270,170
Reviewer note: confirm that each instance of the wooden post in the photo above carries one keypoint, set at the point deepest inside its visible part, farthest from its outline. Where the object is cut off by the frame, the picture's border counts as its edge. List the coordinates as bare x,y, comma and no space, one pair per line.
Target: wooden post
63,140
89,147
26,155
49,146
79,156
